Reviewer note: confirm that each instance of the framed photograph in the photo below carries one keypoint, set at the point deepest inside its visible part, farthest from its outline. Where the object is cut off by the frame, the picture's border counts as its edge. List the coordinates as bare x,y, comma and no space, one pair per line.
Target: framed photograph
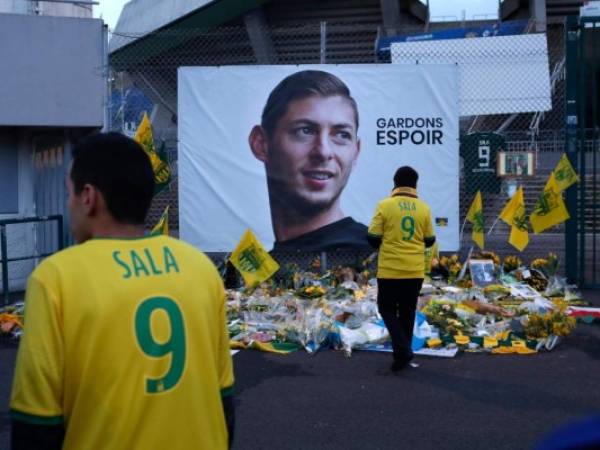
482,272
516,164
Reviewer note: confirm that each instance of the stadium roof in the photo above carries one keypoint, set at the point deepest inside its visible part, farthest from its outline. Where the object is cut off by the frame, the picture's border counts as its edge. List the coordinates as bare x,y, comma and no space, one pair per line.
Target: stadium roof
140,18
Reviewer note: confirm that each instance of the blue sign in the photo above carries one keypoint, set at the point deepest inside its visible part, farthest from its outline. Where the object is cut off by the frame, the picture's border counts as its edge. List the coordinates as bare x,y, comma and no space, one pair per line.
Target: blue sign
497,29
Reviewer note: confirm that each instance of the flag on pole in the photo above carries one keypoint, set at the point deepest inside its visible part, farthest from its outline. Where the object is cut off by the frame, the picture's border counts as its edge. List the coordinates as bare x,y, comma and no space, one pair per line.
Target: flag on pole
160,166
162,226
475,216
252,260
514,215
550,208
564,173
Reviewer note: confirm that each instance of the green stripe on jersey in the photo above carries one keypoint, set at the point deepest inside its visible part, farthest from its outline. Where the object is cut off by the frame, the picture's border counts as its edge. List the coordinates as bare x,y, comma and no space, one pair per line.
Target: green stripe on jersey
226,392
35,420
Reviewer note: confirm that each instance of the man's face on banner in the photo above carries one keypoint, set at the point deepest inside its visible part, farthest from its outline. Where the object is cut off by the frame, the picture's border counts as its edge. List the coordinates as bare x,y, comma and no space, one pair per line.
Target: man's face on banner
312,151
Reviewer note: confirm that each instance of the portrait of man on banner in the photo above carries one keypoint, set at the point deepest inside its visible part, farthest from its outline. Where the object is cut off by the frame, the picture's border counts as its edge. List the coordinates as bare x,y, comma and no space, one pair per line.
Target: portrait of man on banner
308,141
301,154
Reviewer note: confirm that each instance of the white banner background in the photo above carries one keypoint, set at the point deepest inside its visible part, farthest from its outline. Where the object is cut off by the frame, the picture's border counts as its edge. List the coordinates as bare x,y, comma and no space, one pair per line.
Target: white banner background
222,186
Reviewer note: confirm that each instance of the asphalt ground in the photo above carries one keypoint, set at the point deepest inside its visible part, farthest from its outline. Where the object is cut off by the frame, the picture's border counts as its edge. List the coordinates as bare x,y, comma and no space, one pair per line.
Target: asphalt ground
472,401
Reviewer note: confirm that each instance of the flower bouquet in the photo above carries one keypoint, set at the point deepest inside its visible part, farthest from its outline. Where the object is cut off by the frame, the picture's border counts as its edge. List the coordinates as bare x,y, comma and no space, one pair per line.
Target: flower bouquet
442,314
548,266
549,326
311,292
510,263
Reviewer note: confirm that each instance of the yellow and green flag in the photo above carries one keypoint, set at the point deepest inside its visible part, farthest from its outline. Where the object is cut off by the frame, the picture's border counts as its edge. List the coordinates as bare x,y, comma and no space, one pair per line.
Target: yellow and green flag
160,166
252,260
475,216
564,173
514,215
162,226
550,208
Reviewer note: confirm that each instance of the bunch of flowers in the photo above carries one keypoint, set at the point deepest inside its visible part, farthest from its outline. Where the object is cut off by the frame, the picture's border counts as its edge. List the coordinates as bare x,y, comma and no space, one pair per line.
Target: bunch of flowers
464,283
447,261
365,276
10,321
442,314
454,271
311,291
366,269
340,274
510,263
547,266
534,278
447,266
555,322
487,255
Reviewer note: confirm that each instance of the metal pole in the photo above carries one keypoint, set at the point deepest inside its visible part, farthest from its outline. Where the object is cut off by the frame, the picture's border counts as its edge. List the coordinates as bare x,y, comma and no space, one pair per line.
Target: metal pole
323,42
106,74
3,249
61,236
581,110
594,168
323,262
571,130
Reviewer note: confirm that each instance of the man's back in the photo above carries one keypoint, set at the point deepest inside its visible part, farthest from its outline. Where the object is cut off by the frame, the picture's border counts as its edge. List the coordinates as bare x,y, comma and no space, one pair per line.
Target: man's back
135,345
403,223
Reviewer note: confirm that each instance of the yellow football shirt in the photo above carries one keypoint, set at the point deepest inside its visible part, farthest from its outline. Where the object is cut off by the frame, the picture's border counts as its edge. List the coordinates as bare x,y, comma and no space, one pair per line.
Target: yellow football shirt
402,222
126,343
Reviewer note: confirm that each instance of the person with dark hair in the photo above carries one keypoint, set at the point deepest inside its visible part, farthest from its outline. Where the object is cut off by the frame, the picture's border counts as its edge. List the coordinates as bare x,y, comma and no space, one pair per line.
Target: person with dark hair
123,332
309,144
401,229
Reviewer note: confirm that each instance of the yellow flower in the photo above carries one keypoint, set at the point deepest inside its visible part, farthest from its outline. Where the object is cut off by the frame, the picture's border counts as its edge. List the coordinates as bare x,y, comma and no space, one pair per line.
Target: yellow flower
434,342
461,340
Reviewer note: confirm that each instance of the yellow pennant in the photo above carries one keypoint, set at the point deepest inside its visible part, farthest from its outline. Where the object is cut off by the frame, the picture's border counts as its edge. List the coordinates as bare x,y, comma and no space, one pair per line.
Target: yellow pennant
564,173
549,209
161,169
252,260
162,226
475,216
514,215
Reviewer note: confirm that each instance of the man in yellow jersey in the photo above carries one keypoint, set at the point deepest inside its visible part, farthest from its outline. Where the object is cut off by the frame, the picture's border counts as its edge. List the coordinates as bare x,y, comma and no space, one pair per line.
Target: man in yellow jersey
401,228
125,343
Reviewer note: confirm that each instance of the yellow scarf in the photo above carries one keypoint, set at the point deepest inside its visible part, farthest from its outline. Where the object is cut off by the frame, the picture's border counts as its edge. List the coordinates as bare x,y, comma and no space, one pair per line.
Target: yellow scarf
404,190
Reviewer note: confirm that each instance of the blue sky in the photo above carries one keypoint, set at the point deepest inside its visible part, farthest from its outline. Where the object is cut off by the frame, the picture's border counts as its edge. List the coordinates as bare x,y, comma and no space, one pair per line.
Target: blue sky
451,9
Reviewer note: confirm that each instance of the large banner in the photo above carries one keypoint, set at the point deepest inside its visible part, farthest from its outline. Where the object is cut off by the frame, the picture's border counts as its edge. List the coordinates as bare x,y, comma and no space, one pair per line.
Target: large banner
302,154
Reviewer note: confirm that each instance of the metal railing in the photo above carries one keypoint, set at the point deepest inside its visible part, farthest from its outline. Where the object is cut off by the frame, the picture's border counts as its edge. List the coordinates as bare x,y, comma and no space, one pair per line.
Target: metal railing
4,246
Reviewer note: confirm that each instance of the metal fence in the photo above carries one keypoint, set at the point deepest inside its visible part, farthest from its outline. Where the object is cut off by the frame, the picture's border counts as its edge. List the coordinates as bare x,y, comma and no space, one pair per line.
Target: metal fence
144,78
23,253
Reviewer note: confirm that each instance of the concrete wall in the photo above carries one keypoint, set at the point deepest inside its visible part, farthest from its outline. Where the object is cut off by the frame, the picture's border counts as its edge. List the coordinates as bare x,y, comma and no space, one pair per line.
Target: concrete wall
65,10
52,71
45,8
15,7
